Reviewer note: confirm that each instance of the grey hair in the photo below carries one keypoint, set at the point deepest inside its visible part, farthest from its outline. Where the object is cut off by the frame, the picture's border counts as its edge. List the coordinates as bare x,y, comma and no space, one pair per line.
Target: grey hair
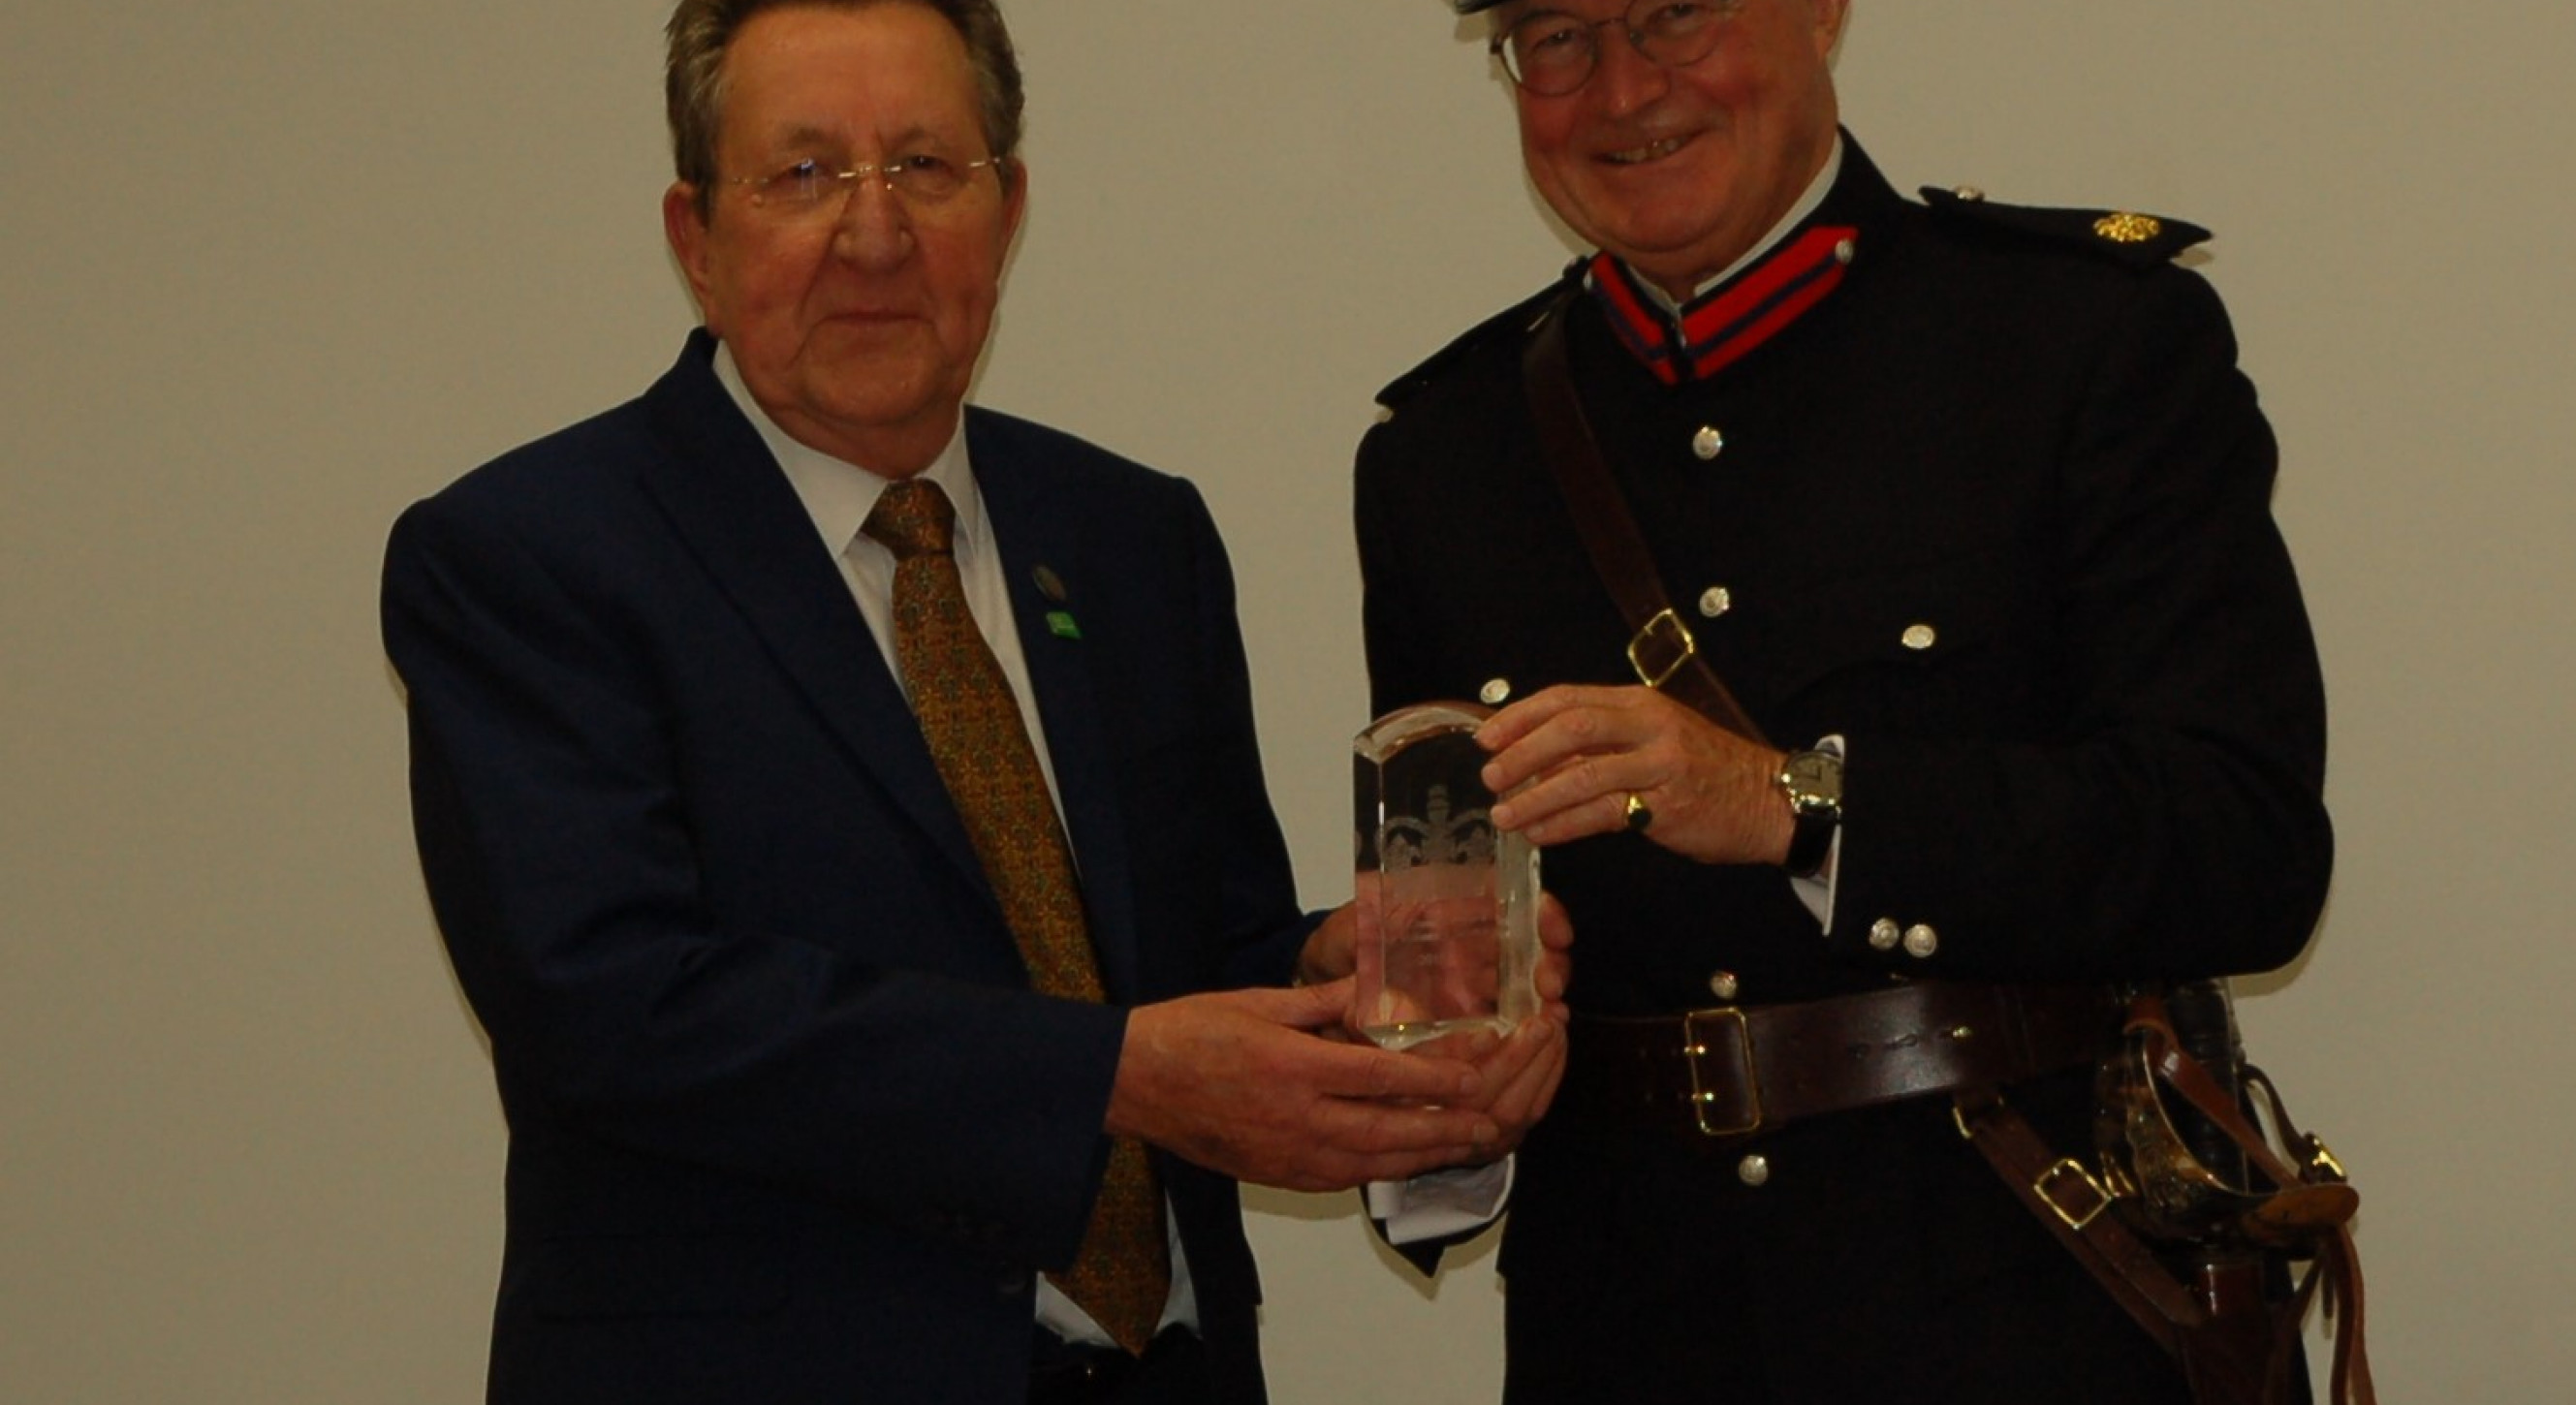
701,33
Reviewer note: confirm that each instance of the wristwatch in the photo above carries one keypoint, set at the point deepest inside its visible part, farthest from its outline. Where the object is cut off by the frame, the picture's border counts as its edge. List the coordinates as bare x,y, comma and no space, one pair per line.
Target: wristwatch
1813,783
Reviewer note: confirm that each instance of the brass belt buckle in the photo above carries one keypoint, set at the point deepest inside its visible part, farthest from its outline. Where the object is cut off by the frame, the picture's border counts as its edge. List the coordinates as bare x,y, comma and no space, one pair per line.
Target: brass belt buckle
2069,1171
1656,631
1696,1045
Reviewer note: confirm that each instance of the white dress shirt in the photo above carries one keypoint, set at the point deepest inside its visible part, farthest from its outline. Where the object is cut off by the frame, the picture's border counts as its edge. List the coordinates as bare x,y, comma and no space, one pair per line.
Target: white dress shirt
839,495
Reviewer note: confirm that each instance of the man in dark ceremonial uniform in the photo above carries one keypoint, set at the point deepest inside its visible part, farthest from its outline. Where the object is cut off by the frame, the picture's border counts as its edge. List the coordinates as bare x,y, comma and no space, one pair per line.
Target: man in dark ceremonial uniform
1969,504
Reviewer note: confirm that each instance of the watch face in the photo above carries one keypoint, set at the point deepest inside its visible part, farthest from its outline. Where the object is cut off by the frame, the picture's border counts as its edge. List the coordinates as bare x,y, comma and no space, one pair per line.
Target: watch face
1814,780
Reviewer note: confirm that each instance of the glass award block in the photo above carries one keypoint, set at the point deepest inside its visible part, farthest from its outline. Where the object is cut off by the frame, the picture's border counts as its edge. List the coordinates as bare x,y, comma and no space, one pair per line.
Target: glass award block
1447,905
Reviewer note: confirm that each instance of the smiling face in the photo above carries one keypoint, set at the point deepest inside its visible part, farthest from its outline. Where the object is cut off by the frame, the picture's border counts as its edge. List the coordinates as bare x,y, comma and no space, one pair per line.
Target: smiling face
1678,171
856,325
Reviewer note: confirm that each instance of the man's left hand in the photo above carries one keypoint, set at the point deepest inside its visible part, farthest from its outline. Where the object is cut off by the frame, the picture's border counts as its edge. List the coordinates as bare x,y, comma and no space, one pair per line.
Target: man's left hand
1518,1072
1589,756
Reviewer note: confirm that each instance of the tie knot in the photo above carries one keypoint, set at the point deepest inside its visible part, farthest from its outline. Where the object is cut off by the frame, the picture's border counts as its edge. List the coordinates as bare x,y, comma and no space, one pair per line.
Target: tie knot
912,517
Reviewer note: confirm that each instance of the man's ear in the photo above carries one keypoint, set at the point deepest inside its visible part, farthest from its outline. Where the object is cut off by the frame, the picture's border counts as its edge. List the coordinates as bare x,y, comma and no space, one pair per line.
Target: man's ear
1015,200
1830,15
686,229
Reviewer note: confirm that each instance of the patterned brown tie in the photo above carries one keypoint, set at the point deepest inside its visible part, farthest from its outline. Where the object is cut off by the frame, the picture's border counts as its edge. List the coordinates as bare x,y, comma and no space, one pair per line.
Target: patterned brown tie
981,746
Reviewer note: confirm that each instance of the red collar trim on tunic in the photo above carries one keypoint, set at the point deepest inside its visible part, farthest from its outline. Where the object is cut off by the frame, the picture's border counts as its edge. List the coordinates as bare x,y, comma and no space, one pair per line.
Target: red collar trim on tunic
1720,327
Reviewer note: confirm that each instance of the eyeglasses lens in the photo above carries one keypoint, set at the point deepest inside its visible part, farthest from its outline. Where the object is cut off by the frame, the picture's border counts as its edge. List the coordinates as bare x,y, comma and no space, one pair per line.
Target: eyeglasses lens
805,186
1553,53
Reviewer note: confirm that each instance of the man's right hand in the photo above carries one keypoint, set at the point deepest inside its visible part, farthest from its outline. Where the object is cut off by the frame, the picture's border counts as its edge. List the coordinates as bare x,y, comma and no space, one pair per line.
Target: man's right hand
1236,1081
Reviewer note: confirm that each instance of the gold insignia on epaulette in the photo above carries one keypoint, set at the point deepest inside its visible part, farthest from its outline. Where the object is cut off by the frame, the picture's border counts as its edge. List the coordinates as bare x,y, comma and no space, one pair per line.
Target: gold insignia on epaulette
2126,228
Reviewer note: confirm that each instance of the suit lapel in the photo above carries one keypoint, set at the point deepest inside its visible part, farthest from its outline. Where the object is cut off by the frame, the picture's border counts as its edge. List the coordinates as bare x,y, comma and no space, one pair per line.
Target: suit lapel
726,498
1038,528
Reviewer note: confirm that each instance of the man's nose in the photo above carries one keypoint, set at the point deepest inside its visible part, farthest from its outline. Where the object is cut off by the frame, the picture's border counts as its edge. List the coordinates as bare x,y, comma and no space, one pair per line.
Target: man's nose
1623,78
874,227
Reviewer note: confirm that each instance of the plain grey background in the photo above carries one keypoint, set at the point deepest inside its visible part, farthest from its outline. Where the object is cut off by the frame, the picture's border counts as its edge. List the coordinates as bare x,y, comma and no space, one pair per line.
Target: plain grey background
274,271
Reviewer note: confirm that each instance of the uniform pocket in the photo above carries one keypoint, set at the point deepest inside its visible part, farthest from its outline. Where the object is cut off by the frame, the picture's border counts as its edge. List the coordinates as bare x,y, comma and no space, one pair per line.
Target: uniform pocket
1949,647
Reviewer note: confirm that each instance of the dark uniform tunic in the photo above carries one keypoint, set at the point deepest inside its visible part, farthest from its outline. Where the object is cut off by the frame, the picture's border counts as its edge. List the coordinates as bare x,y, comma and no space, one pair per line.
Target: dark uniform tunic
1994,509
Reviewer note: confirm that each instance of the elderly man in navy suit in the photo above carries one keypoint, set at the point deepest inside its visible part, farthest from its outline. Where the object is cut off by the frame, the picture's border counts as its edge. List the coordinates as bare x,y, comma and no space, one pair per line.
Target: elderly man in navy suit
843,813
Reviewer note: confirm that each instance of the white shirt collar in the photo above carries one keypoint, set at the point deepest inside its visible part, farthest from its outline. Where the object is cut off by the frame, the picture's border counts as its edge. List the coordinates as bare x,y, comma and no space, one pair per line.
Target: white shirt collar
839,494
1807,205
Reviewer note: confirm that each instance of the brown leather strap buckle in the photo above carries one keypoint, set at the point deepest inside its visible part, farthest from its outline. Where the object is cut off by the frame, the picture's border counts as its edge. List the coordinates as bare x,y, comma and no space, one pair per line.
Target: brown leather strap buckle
2062,1177
1654,634
1704,1094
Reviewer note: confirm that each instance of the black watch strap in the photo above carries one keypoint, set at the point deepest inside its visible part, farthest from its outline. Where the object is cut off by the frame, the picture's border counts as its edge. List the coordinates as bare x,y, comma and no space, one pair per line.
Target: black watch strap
1810,842
1812,781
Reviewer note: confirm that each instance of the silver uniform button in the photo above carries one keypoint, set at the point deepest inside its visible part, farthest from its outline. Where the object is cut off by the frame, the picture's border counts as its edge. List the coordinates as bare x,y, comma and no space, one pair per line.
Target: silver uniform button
1968,192
1708,443
1843,252
1495,692
1884,934
1723,985
1716,601
1754,1170
1920,637
1921,941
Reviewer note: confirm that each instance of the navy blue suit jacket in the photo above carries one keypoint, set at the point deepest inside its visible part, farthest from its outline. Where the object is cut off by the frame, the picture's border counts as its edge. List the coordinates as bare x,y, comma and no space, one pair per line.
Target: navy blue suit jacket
786,1122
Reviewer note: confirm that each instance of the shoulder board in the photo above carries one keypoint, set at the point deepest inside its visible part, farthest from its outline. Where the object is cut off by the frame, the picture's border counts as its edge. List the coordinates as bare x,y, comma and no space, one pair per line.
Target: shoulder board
2124,236
1510,322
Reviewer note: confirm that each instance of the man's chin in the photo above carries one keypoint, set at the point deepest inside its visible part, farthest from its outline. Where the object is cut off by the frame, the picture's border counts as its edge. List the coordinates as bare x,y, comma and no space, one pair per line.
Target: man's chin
861,335
867,360
881,404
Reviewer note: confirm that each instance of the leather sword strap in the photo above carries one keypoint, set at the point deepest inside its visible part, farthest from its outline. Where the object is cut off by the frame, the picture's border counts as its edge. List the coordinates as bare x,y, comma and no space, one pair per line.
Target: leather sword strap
2232,1347
1730,1072
2213,1316
2336,1267
1661,648
2075,1207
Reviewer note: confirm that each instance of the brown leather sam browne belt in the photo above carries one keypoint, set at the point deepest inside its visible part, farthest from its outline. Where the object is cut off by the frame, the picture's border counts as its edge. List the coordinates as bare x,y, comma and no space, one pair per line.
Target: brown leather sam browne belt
1731,1072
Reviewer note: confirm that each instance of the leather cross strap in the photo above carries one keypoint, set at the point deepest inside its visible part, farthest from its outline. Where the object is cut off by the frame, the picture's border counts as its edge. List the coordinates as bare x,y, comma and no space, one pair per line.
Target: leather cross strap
1661,648
1730,1072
